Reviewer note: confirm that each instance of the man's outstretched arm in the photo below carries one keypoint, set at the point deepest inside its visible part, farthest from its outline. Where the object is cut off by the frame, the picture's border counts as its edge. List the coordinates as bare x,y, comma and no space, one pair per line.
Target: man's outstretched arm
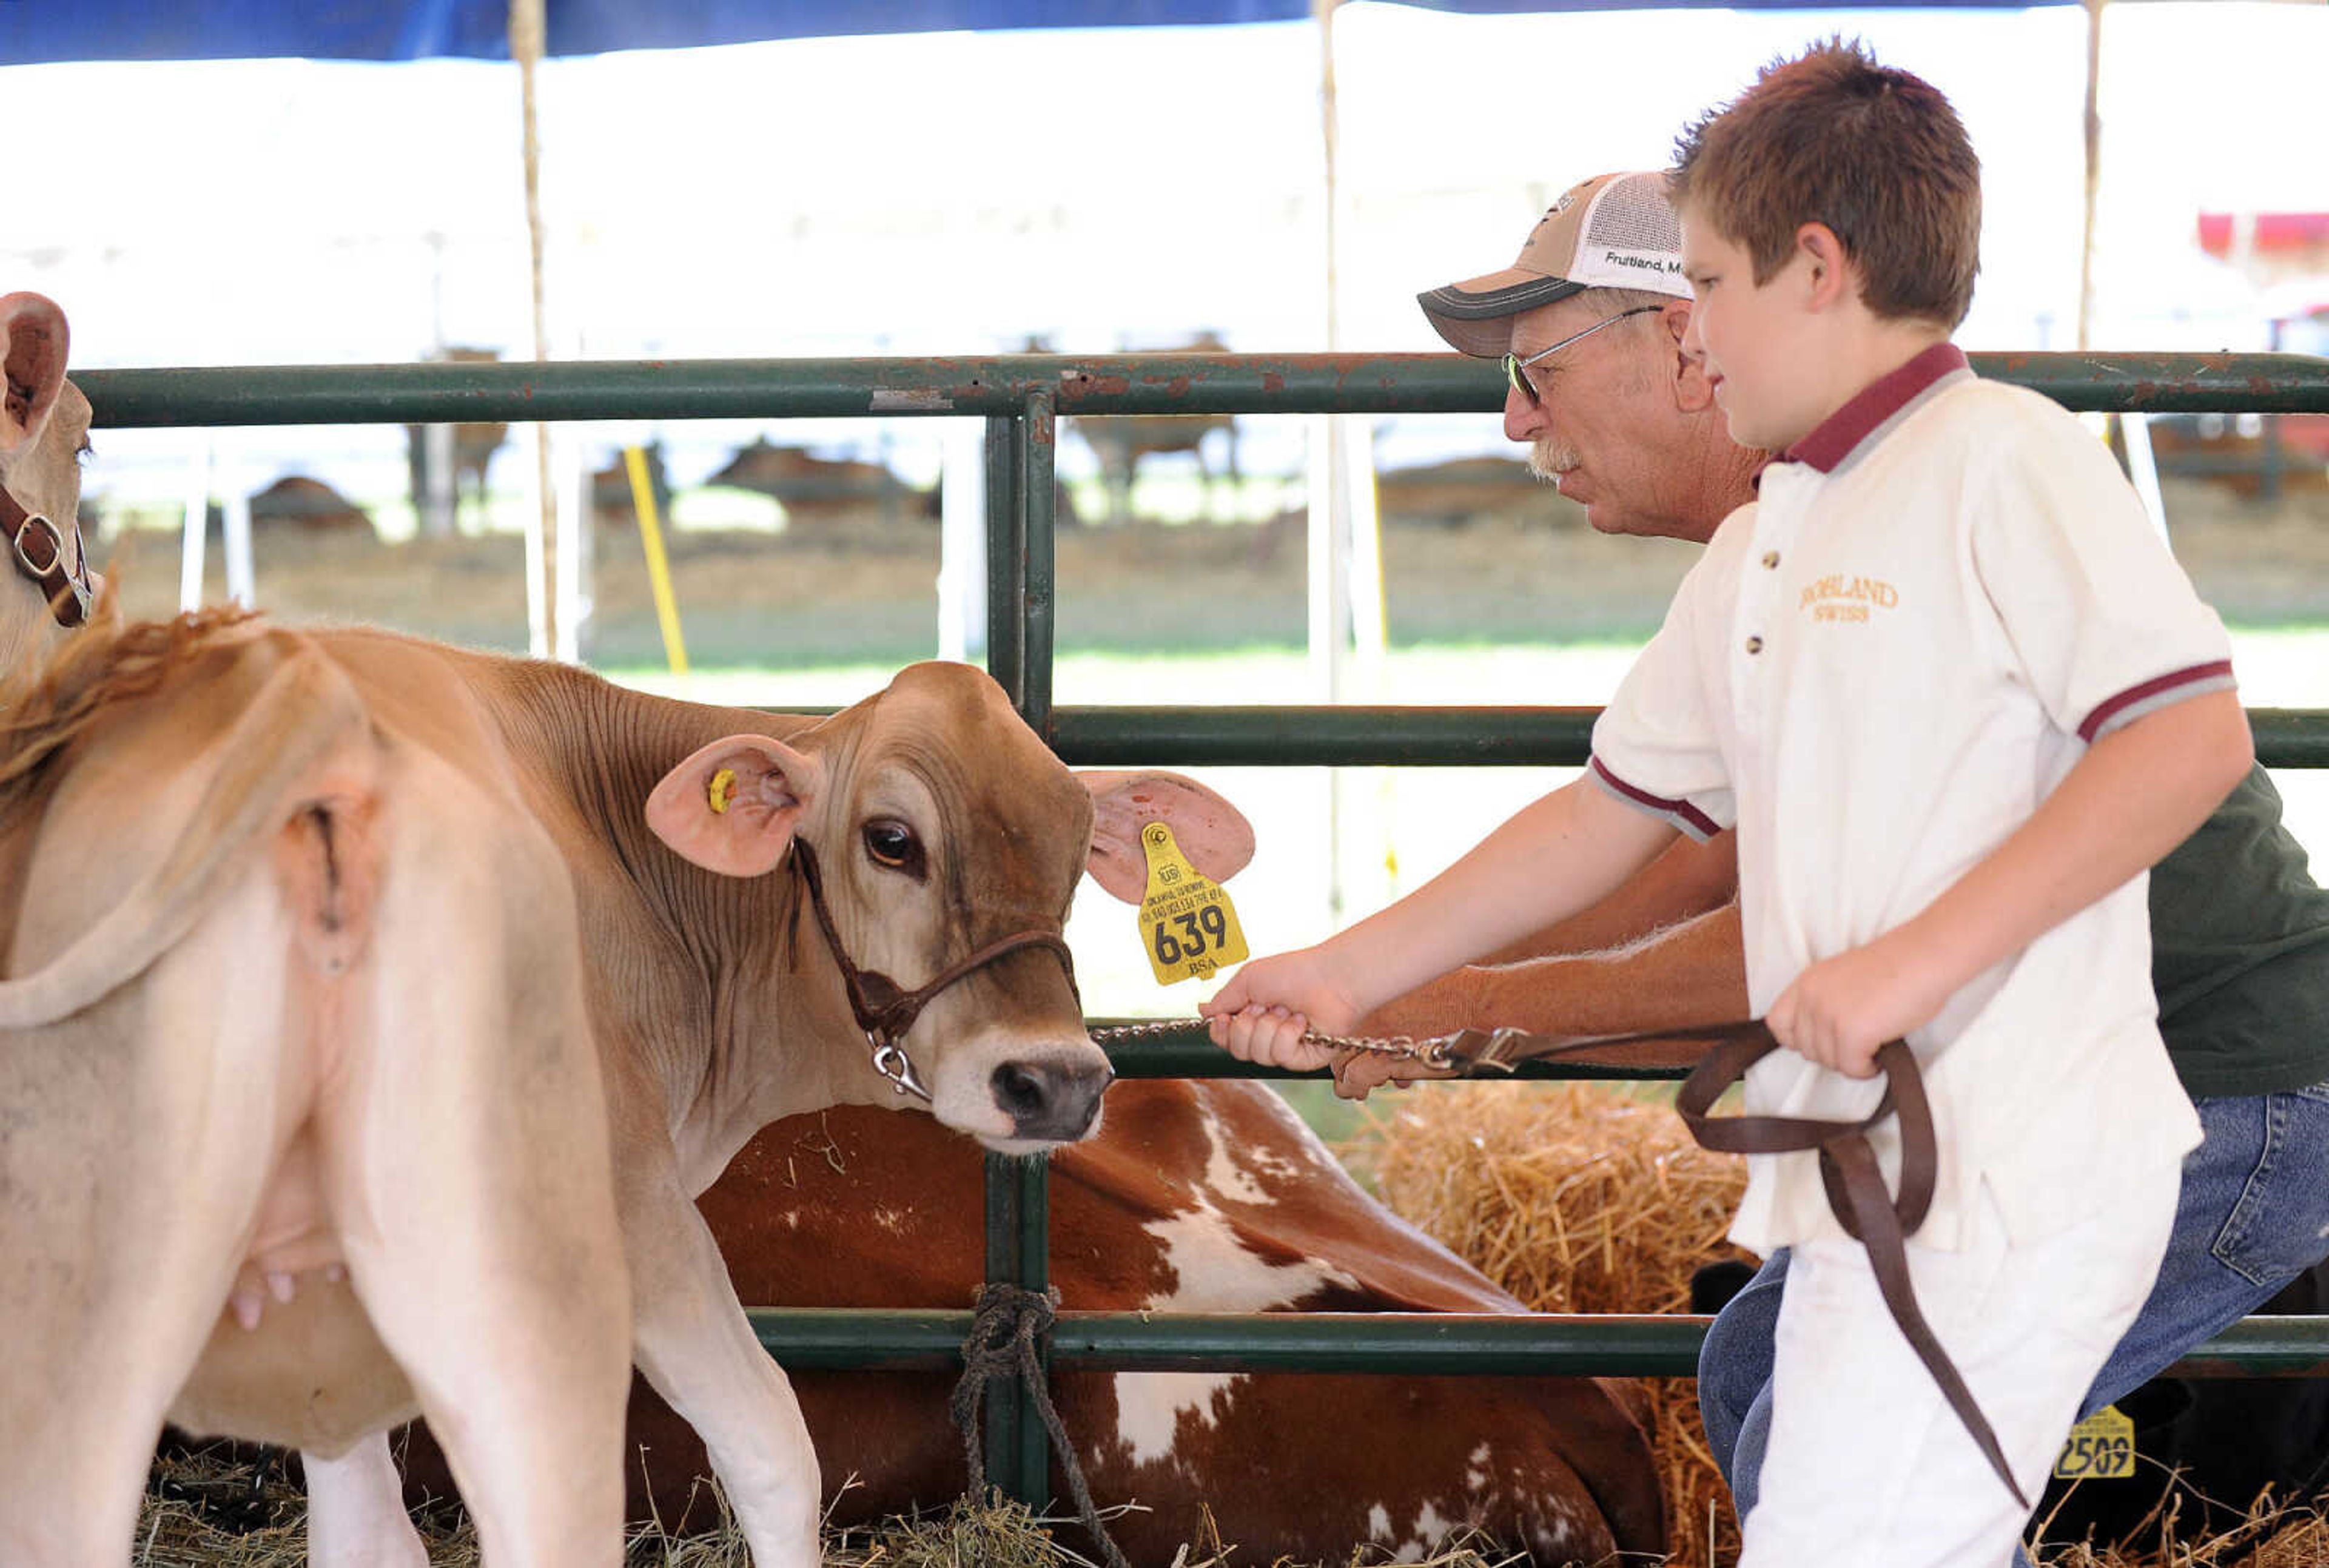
1691,973
1688,880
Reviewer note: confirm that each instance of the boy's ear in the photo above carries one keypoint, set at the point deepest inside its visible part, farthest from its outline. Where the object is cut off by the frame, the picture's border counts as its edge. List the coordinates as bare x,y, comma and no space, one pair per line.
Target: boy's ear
1829,269
1693,394
732,807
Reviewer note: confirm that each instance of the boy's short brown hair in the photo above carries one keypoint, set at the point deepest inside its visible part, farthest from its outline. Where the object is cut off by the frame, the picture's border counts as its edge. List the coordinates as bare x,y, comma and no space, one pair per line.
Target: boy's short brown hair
1875,154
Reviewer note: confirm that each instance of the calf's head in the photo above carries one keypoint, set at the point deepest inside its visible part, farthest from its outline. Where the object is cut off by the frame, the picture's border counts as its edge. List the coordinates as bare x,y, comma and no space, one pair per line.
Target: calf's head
43,426
942,828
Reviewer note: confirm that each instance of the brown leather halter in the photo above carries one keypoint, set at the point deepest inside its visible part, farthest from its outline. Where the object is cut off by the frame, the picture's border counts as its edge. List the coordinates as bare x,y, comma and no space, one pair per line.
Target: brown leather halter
884,1009
1880,1221
38,547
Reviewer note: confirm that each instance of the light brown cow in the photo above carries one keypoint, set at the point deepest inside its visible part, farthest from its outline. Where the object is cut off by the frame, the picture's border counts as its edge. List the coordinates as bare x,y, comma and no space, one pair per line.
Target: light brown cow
386,1017
43,429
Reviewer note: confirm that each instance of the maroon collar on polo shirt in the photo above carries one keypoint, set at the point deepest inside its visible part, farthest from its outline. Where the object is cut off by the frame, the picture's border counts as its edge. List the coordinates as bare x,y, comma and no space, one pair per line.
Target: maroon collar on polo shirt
1841,433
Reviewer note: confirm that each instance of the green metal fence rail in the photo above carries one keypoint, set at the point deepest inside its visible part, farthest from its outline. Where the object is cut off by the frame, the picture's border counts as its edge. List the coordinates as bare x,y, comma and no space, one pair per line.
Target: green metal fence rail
1453,1344
1001,386
1022,399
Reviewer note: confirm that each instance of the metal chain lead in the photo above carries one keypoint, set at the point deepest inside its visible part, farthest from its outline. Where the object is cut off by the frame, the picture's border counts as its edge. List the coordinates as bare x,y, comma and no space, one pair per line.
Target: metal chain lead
1431,1052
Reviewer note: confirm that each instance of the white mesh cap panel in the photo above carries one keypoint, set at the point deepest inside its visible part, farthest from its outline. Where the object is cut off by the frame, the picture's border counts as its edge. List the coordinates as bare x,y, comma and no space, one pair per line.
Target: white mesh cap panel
1632,238
1634,214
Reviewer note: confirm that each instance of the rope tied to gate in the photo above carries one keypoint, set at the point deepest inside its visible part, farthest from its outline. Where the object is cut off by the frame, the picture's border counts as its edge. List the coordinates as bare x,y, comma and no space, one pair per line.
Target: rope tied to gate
1005,1329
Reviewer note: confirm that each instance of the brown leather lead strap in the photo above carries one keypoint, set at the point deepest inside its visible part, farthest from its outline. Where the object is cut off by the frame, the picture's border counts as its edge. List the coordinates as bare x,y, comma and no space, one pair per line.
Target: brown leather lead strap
1880,1221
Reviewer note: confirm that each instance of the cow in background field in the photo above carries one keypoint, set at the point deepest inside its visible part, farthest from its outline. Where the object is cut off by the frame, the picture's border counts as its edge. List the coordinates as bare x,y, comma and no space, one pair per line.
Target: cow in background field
472,448
1121,440
491,1027
612,503
821,493
1192,1198
1452,494
299,505
43,433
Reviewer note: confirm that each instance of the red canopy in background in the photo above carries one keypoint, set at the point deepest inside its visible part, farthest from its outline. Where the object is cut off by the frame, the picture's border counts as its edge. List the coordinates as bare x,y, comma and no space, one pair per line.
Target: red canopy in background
2270,232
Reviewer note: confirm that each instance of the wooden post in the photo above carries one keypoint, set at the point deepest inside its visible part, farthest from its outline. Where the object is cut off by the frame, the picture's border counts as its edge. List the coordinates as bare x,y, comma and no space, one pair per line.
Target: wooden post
529,36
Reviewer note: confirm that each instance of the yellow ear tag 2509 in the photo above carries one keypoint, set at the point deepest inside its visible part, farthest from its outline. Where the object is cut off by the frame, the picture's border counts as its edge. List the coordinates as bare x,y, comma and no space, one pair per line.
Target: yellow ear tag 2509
1187,923
2102,1447
722,789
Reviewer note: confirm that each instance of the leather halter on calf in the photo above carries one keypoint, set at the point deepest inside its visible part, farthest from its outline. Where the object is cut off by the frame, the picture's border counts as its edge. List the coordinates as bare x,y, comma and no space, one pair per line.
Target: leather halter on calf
886,1010
37,545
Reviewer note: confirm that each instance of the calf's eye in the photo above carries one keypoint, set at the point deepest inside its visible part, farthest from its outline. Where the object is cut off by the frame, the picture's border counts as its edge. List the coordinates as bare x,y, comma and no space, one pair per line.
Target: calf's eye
893,843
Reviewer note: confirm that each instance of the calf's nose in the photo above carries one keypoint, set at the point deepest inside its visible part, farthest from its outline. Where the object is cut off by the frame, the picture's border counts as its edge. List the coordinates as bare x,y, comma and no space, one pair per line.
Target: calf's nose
1051,1099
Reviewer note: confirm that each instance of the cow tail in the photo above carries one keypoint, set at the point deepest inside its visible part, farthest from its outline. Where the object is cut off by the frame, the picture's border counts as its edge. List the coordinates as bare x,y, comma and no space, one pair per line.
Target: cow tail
304,709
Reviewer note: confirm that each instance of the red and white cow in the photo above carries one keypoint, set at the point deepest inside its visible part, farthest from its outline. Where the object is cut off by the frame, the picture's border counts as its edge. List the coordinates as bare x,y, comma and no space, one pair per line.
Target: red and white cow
1197,1196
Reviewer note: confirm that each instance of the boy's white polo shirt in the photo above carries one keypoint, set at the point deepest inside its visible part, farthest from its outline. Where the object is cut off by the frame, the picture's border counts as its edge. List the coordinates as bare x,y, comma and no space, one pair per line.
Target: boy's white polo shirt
1877,672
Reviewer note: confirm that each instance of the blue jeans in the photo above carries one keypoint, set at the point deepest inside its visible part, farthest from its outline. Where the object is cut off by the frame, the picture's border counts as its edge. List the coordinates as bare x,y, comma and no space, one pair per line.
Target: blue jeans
2253,1213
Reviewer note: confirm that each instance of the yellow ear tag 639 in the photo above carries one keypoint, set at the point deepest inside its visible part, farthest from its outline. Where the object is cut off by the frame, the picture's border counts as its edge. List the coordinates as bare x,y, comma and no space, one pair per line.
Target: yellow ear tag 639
1187,923
2102,1447
721,790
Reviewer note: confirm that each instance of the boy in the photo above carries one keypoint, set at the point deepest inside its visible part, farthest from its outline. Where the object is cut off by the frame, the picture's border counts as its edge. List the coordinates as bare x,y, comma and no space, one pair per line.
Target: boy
1956,698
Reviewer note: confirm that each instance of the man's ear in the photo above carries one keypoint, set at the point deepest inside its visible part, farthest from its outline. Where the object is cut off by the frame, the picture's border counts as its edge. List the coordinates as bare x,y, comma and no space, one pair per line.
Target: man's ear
1693,394
1829,276
732,807
32,346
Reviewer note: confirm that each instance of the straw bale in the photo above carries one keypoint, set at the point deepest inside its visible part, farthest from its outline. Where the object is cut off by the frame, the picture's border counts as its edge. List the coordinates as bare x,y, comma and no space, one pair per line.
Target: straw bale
1576,1197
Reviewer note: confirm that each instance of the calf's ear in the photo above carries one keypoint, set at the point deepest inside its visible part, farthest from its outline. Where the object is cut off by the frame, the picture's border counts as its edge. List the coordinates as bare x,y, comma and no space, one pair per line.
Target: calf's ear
1213,834
32,343
732,807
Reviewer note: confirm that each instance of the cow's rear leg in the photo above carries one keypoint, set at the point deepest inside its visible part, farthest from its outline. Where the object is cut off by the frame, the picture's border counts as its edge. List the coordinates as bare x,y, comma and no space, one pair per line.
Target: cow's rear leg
356,1517
135,1140
470,1176
697,1348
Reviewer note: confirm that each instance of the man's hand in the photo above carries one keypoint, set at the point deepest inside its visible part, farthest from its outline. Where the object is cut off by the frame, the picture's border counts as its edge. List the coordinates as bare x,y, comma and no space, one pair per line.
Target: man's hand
1261,1015
1358,1073
1454,1001
1840,1010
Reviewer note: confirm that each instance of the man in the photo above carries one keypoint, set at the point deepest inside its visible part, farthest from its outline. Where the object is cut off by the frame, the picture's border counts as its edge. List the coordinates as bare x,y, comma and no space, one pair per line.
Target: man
1591,321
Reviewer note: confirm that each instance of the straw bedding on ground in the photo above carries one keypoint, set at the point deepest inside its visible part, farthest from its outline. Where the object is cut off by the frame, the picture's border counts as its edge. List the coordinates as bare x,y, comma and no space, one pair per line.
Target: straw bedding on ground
1574,1197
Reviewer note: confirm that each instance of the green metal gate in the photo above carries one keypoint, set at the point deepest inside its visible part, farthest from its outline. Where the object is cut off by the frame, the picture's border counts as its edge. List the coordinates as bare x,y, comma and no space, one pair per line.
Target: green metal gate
1021,398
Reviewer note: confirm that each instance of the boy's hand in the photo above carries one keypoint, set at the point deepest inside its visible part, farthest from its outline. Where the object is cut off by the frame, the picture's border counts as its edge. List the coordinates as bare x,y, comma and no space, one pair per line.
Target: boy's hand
1840,1010
1260,1016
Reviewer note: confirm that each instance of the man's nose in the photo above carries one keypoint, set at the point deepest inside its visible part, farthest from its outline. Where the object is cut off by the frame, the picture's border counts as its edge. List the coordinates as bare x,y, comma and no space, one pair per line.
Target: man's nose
1523,417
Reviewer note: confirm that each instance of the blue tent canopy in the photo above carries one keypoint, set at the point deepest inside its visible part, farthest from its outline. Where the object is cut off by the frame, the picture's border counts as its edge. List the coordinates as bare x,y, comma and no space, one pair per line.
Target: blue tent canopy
39,32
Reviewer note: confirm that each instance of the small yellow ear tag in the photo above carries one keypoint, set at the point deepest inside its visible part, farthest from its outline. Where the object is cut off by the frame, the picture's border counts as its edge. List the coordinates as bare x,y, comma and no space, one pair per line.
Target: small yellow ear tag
2102,1447
721,790
1187,923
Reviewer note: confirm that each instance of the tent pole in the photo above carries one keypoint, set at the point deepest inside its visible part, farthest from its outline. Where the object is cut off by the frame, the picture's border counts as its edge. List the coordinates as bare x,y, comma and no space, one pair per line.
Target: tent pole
1329,552
2093,125
1345,557
528,30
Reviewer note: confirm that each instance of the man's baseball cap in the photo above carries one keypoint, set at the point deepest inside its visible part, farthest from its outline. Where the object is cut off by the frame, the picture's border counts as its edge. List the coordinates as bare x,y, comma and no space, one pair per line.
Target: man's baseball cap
1611,231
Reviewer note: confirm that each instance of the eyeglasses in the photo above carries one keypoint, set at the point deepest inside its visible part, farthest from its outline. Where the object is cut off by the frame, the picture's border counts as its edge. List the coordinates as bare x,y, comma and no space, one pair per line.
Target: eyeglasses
1516,368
